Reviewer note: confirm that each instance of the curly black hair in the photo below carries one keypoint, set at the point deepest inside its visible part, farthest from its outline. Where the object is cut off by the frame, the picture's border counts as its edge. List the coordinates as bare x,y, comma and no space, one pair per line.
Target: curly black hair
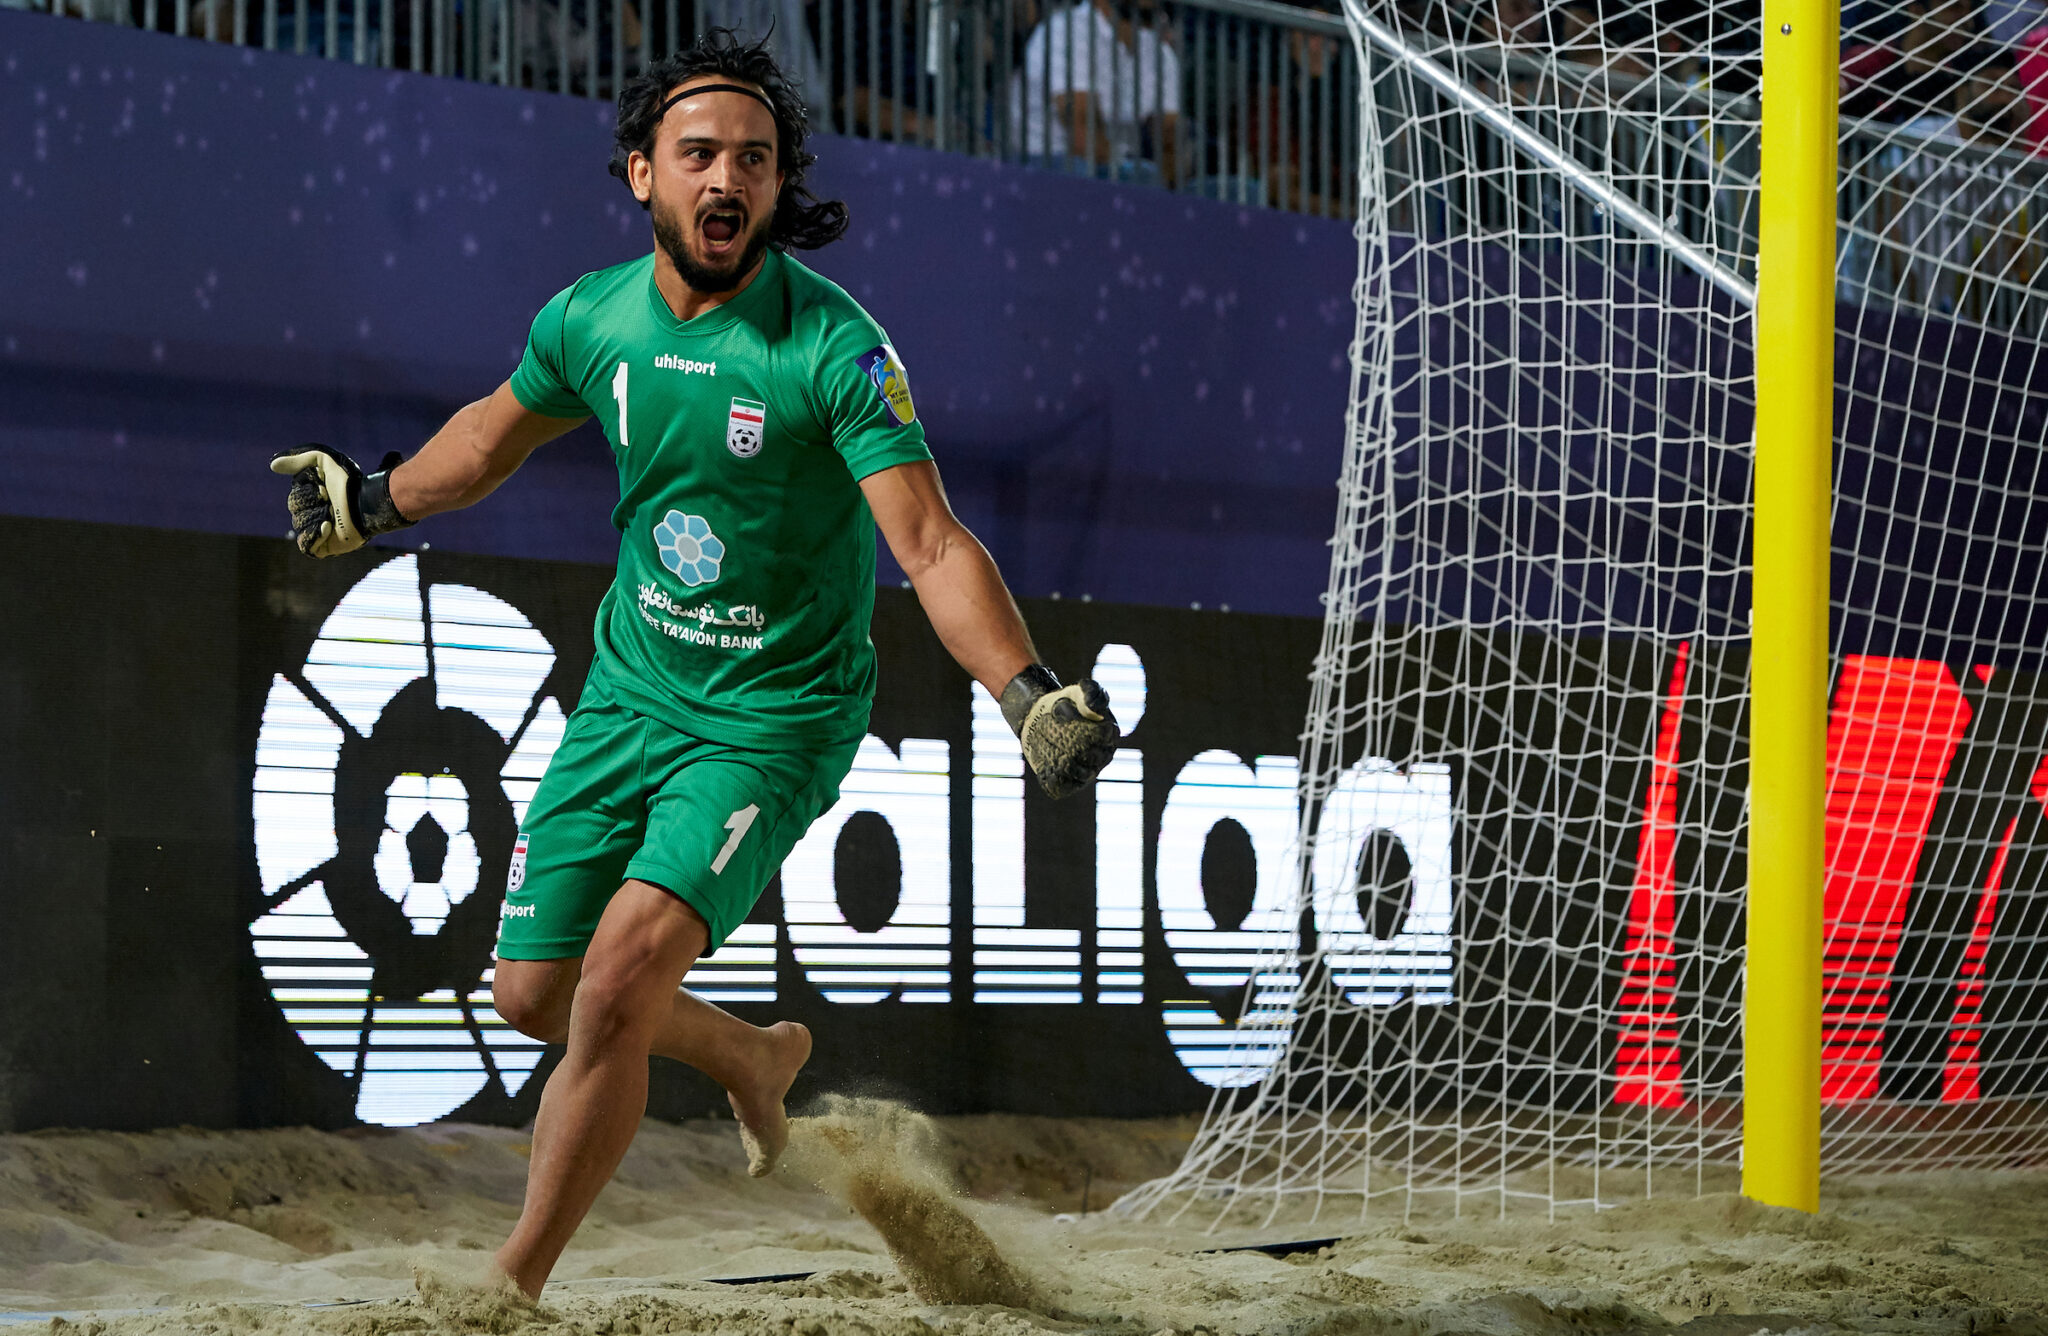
801,219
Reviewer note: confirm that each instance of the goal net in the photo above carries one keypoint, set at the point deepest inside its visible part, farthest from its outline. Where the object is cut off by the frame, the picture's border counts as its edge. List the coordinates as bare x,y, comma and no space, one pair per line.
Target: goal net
1511,967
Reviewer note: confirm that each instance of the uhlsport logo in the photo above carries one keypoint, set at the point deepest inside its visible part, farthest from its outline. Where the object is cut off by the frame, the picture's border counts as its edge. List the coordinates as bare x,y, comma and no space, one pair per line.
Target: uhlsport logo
744,427
688,548
891,382
393,769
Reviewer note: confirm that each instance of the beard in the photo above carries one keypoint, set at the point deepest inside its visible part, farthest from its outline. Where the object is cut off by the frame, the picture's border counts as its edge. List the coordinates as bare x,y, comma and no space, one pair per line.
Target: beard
669,234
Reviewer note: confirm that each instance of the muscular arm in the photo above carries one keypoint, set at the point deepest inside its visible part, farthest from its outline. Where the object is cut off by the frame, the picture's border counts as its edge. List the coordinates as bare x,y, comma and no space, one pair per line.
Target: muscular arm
962,592
466,460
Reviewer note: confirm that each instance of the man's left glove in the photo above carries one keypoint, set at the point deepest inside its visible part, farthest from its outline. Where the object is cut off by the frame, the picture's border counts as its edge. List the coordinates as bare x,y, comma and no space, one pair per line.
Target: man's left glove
1068,732
334,507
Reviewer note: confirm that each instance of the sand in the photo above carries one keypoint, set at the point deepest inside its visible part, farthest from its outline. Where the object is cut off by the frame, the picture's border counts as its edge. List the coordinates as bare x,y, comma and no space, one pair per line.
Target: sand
244,1232
885,1162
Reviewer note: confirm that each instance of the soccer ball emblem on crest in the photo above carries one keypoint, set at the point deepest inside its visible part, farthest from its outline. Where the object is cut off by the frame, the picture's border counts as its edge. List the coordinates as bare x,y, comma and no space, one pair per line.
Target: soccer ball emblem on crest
744,426
515,875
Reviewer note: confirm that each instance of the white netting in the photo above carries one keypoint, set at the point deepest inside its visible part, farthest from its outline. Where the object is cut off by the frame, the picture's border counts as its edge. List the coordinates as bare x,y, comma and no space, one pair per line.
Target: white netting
1538,606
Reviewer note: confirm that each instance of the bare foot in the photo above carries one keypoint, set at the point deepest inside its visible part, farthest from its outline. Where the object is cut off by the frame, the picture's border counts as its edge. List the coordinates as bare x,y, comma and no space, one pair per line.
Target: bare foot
469,1294
757,1100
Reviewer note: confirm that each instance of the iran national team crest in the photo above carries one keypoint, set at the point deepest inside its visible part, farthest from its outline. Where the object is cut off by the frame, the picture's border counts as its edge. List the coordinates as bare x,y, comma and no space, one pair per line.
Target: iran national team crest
744,427
515,875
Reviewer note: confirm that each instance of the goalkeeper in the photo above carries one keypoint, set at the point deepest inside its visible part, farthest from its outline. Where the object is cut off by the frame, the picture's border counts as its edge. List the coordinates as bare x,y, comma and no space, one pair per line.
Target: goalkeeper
763,427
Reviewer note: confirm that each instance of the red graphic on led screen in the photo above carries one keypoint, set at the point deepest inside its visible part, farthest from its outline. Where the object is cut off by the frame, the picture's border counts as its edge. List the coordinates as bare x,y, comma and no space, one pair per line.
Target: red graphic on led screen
1892,735
1647,1067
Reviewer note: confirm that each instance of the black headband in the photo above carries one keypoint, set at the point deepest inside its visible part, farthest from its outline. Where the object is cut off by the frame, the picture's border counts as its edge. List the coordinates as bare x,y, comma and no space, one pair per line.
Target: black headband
662,110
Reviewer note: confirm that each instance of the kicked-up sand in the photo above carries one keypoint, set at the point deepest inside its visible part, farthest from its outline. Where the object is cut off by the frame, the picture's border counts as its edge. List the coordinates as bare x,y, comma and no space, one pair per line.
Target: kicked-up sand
898,1225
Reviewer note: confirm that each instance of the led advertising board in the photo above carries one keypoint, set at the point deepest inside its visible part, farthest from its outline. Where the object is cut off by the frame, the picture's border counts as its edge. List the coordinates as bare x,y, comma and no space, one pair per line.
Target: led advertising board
258,813
393,767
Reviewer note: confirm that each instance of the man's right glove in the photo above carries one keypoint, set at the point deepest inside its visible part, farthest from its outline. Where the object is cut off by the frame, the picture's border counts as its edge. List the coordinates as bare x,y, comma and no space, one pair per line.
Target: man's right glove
334,508
1068,732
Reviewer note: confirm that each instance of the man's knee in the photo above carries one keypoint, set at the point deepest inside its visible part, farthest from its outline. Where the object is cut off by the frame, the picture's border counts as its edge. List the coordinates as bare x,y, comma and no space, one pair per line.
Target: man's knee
622,997
534,997
644,945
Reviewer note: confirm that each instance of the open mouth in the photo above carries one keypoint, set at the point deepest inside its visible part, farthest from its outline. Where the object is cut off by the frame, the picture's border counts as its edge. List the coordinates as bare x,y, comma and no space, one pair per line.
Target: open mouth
721,230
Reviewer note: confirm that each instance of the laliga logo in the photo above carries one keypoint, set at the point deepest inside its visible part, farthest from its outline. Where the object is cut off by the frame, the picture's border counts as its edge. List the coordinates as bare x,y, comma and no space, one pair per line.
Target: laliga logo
1380,871
392,772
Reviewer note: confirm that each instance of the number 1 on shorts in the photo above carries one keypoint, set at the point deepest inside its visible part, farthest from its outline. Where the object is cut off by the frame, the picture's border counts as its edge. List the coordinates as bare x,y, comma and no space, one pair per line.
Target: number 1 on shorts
738,823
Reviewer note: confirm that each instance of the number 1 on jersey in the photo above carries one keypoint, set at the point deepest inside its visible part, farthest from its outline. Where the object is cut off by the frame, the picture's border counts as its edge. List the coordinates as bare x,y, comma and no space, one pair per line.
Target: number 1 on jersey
739,823
619,393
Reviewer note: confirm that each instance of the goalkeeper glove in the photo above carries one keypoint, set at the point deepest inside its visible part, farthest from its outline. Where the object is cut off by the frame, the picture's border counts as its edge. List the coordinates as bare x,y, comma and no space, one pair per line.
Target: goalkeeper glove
334,508
1068,732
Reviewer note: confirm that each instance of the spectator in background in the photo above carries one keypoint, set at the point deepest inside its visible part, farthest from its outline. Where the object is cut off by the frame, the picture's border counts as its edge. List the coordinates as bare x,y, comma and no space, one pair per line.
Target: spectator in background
875,68
1573,31
1627,42
1949,69
1926,220
1922,75
984,41
1528,34
780,23
2008,22
563,39
1291,129
1316,180
1099,92
1512,25
1616,49
1988,106
2030,78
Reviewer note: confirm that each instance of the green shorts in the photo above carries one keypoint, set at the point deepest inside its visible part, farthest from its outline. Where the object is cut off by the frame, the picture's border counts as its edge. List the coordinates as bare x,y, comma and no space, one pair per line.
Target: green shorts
627,797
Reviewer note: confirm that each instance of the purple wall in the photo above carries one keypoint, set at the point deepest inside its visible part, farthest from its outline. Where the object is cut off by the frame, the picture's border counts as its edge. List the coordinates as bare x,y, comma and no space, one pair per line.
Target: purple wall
212,253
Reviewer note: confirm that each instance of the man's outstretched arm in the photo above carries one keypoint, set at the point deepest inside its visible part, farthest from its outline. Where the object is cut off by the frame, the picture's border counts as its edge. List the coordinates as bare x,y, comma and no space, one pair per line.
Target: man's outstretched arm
465,461
335,508
956,580
1068,733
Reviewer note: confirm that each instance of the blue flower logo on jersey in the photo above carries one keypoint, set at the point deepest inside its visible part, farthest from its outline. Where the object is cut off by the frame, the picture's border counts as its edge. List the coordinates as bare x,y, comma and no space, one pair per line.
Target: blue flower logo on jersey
688,548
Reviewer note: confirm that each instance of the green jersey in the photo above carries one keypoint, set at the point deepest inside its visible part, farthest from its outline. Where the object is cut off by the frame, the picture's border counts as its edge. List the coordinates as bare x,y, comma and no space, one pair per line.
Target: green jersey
747,552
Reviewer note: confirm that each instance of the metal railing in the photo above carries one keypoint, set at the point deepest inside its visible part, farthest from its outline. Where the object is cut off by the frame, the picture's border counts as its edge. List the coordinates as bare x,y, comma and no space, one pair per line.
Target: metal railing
1938,223
1246,101
1929,220
1477,142
1241,100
